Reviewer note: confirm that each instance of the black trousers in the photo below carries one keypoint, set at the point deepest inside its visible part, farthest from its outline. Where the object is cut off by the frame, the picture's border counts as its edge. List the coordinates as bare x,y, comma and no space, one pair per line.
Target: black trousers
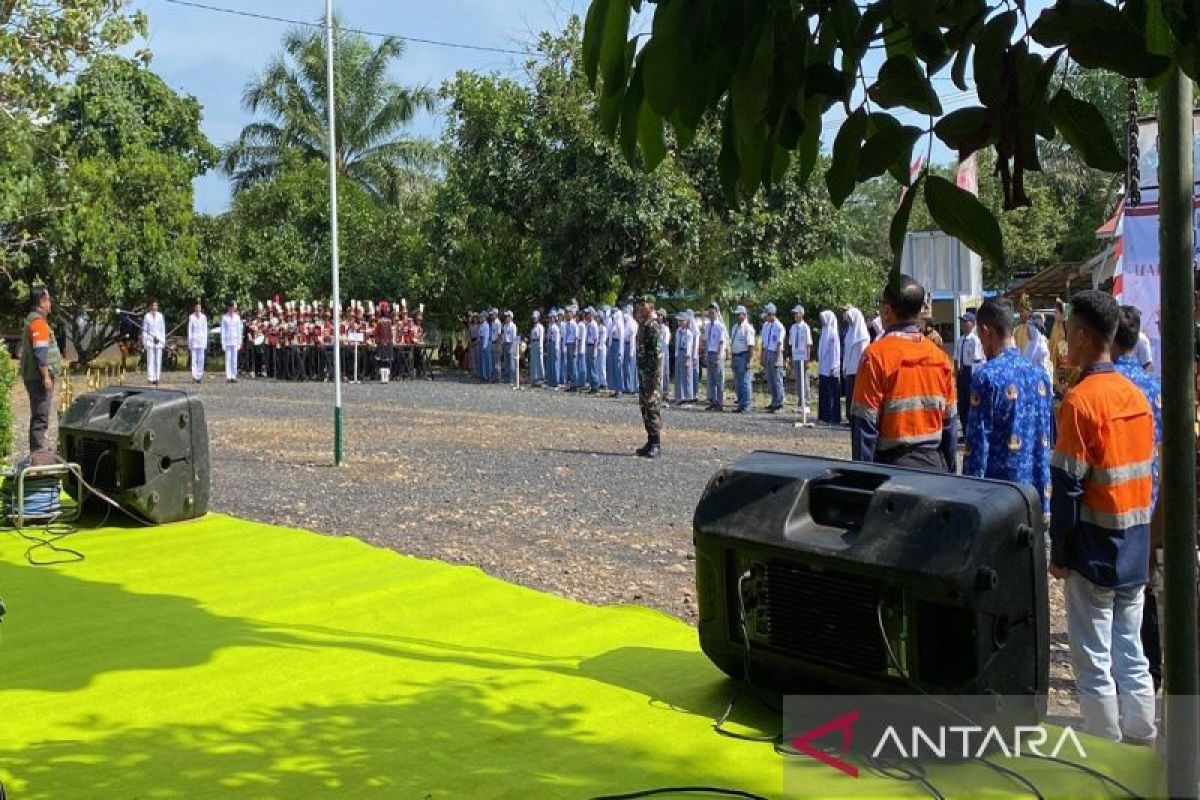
40,402
913,458
963,387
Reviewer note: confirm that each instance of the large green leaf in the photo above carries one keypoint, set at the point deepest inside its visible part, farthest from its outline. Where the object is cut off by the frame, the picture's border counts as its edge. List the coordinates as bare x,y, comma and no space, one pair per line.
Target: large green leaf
965,130
1083,126
899,226
960,214
889,145
810,138
990,46
901,83
614,59
650,137
593,35
631,110
843,169
667,58
1101,37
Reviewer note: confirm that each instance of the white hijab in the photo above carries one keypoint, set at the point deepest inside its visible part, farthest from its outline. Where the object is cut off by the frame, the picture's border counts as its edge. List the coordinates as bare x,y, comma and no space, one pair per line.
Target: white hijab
829,348
857,340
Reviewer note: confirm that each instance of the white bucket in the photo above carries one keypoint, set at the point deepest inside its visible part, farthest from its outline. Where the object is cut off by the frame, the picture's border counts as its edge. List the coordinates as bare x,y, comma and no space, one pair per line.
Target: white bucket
385,375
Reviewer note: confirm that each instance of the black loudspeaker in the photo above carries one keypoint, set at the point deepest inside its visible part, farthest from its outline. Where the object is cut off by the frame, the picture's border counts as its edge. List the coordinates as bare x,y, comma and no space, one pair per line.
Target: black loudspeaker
146,448
817,574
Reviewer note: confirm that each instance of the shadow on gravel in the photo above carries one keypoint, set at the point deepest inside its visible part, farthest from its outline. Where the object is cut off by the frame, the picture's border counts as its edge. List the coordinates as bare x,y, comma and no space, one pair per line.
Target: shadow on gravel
566,452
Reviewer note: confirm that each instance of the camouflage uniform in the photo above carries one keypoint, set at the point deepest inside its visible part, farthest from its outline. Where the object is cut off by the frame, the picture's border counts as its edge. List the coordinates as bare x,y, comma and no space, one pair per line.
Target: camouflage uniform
649,367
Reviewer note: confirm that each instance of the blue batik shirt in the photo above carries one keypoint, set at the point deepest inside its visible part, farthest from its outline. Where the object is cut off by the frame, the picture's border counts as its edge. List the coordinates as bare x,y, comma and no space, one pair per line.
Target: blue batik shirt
1008,425
1149,385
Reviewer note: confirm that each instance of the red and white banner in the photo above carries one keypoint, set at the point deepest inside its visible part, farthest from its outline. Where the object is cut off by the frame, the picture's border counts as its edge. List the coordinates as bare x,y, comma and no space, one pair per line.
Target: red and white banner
1138,282
967,177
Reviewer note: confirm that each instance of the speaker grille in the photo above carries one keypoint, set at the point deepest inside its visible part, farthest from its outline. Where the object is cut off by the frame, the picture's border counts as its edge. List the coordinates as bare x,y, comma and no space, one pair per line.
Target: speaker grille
821,616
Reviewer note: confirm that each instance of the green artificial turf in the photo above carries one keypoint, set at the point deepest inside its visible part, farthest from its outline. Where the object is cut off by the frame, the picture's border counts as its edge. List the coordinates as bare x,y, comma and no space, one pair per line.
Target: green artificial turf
228,659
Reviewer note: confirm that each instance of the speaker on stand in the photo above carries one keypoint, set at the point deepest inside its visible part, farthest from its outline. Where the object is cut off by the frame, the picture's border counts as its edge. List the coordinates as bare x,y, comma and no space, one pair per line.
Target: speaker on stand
146,448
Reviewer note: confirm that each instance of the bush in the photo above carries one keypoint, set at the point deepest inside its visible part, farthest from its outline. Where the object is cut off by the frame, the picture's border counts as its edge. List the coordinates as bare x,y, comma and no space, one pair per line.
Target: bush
8,377
828,282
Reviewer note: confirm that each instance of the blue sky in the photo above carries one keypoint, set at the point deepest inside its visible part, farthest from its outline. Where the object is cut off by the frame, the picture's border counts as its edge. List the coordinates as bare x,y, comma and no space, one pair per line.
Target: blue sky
213,56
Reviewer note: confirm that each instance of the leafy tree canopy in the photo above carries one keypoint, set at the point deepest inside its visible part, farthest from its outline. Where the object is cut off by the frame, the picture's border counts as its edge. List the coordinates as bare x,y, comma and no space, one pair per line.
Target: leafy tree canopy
372,112
772,70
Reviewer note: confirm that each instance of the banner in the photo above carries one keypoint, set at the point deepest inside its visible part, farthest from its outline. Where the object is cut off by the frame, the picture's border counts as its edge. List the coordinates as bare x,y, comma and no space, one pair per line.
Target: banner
1139,285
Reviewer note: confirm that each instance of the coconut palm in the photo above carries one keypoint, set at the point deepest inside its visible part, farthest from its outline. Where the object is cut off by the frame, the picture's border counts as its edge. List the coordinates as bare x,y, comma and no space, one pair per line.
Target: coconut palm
372,112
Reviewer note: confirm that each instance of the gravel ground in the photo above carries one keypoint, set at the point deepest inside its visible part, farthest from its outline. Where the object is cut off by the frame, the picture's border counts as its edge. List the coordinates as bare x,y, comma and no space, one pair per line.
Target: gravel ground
536,487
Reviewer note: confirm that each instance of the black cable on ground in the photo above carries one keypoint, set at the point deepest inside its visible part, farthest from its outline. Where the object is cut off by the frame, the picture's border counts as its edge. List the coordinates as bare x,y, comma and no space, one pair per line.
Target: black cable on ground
712,790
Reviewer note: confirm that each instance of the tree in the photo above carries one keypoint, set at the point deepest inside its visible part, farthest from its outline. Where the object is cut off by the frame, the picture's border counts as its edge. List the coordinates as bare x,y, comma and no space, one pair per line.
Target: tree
41,41
828,282
774,69
275,240
372,112
117,163
537,205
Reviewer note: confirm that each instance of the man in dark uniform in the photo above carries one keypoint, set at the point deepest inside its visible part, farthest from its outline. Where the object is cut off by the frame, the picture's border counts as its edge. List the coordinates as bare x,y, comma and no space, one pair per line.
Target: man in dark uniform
40,362
649,366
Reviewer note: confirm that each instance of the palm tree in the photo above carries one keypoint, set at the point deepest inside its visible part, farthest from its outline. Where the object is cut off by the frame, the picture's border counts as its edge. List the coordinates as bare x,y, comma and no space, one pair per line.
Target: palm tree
372,111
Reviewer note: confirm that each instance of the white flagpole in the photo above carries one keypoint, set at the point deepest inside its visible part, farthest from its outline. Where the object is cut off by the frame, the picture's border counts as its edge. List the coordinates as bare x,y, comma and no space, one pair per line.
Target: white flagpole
338,456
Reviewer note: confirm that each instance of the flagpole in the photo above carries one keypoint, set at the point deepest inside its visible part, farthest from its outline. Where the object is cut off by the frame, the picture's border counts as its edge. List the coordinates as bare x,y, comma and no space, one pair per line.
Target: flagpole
338,456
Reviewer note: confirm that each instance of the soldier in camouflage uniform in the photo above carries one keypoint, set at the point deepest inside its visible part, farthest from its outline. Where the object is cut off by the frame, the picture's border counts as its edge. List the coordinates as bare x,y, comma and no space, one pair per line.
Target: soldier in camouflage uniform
649,367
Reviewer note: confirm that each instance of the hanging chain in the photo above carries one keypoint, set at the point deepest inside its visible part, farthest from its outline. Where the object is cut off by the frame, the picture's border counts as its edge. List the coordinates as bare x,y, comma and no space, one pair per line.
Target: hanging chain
1133,178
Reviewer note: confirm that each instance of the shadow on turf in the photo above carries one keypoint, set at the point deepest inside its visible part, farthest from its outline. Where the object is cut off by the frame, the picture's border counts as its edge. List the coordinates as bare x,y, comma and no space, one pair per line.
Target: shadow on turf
62,632
450,739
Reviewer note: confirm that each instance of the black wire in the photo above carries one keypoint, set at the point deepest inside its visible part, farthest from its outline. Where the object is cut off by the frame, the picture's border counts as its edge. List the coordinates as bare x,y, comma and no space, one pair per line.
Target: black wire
1016,776
1090,771
435,42
680,790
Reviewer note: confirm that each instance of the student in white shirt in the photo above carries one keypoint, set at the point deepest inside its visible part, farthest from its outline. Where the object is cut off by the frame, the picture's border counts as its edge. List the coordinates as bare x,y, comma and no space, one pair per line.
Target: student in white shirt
616,346
510,347
741,346
231,341
664,348
553,351
968,354
197,337
800,342
685,389
829,371
154,338
629,381
602,350
537,335
714,358
772,337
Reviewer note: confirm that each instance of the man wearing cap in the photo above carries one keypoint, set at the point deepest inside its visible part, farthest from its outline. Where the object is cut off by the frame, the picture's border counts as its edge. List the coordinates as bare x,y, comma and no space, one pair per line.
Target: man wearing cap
568,342
772,356
553,350
741,345
615,330
592,335
800,343
497,346
968,354
649,364
714,347
510,347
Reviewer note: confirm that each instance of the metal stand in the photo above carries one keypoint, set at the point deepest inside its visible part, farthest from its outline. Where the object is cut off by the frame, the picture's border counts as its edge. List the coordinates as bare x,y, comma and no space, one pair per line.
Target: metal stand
803,382
62,471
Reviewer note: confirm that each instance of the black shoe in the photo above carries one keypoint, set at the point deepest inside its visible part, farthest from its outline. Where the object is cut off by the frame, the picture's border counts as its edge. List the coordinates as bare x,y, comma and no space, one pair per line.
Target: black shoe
739,410
650,450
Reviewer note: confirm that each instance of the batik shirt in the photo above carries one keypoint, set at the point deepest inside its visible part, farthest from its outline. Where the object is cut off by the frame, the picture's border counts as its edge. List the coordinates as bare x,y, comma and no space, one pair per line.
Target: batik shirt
1008,429
1128,366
